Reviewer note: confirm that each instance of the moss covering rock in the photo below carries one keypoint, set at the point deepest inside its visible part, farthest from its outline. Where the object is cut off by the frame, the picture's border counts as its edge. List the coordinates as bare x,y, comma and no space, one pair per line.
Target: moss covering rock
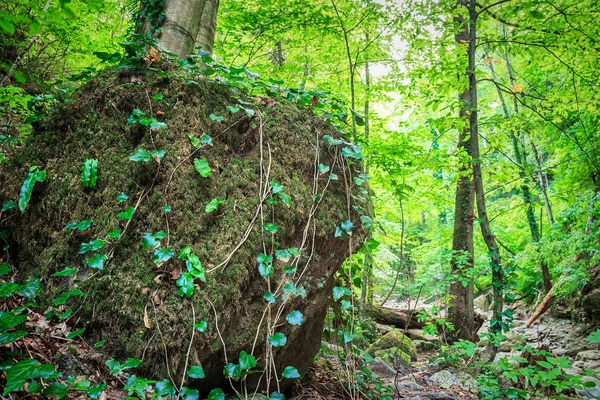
133,302
394,339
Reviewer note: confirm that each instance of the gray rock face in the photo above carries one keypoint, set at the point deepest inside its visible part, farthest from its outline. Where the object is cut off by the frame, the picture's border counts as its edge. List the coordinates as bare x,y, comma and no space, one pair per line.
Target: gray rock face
447,379
483,302
588,355
380,368
592,392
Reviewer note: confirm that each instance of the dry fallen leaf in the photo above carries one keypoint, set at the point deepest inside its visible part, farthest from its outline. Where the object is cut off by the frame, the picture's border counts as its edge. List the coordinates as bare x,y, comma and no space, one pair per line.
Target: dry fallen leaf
136,79
160,113
147,323
176,273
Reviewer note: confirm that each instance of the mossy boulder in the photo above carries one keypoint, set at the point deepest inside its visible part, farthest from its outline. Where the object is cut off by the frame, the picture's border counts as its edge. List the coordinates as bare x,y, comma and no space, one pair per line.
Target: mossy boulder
394,357
394,339
133,302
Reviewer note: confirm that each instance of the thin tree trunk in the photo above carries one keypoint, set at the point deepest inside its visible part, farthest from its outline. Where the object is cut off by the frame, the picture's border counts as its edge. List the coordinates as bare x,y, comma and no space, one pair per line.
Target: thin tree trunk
351,69
461,310
181,25
543,183
205,39
34,39
400,267
520,159
484,222
367,265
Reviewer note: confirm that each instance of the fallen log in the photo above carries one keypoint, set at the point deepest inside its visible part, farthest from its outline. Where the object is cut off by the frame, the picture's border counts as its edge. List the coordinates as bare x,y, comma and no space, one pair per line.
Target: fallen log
542,307
398,318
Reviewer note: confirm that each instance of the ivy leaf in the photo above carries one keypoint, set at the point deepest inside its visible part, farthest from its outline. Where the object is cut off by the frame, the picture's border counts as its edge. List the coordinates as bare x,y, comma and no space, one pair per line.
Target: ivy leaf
30,288
186,284
276,187
290,269
149,241
276,396
202,167
233,109
295,318
56,389
333,177
277,340
247,361
166,208
158,155
263,258
216,394
290,372
594,337
270,297
265,270
97,261
25,370
195,141
34,175
331,141
9,205
114,234
213,205
121,197
162,255
62,299
338,292
196,372
283,255
96,391
189,394
81,226
140,155
67,271
232,371
271,228
127,214
5,269
285,198
156,124
202,326
94,245
217,118
353,152
323,168
99,344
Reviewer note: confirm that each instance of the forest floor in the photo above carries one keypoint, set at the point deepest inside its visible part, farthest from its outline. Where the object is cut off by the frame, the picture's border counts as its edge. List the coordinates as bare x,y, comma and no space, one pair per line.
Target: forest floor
428,379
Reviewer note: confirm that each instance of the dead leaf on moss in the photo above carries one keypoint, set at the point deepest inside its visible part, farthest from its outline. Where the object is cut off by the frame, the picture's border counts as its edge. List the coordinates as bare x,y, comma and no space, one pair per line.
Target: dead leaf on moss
147,323
176,273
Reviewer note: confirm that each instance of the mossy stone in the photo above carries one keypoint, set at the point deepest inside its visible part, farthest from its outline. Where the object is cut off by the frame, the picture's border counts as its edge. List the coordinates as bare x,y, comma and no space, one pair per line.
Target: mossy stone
395,339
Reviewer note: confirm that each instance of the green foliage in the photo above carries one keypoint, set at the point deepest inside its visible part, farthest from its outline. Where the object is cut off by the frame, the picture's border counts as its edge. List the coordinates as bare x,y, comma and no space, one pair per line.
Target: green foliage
89,173
202,167
34,175
213,205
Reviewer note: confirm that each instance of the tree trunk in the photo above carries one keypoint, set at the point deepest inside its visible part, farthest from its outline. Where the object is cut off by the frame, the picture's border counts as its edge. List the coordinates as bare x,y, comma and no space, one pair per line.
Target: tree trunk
181,26
205,40
461,311
484,222
367,265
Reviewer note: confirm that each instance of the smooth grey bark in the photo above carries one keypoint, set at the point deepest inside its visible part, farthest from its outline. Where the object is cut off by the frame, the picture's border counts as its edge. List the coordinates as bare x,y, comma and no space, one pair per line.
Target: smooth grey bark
205,39
461,311
181,25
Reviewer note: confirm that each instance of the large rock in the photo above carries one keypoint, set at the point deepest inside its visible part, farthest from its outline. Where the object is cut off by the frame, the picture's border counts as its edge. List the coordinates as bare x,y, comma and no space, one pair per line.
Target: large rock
133,303
592,392
447,379
395,340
